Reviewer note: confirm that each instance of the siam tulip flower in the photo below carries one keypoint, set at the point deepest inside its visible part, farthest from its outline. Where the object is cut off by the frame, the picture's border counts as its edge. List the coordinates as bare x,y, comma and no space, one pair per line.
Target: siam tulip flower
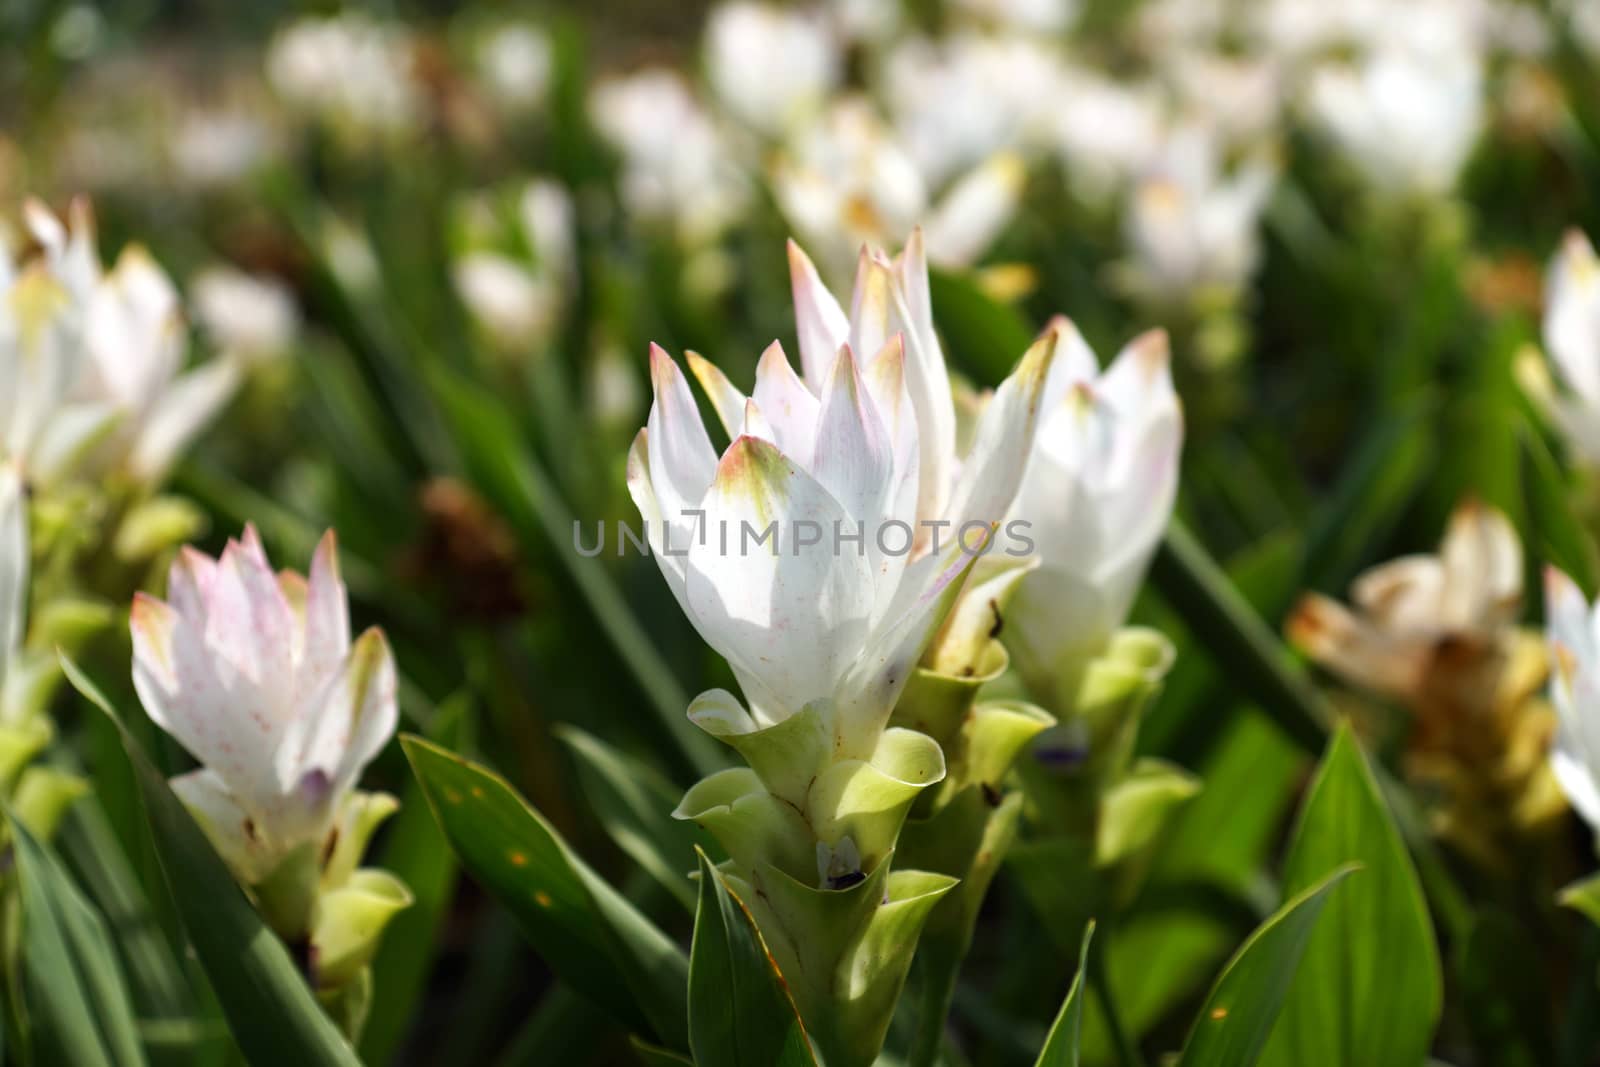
249,317
349,71
1572,336
946,126
518,301
1572,631
1098,495
92,360
677,165
846,181
1106,132
1406,117
771,67
1191,228
1437,634
515,62
1417,615
823,633
255,674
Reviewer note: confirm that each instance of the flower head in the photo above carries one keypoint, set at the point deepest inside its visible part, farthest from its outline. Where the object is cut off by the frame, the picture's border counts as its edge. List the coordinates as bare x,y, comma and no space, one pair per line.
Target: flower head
1098,494
255,674
1572,335
860,442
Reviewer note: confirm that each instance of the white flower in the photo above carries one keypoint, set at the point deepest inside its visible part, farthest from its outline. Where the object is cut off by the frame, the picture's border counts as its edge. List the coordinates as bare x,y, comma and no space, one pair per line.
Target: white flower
255,674
1106,131
770,67
211,148
518,299
506,296
858,443
253,317
350,71
847,182
1572,631
1098,495
516,62
1572,335
91,360
1189,225
1406,117
677,166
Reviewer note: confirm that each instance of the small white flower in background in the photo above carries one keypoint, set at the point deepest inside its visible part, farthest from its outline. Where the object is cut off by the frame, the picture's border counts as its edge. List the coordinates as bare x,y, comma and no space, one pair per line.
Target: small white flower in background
1039,16
1572,632
677,166
1572,336
1462,601
1106,132
91,360
1190,225
219,147
847,182
251,317
771,67
1240,97
518,300
1098,495
1405,115
515,62
853,442
254,673
947,125
351,71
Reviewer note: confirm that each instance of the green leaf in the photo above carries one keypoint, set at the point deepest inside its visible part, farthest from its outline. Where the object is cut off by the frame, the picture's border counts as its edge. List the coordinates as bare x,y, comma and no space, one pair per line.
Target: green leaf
1557,535
587,931
1061,1046
270,1010
1238,1015
417,853
77,1002
1190,580
656,1056
633,801
1371,986
740,1011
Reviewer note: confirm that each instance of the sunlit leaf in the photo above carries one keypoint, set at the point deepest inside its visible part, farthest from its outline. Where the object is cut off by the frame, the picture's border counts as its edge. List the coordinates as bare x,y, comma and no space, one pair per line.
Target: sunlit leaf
1061,1046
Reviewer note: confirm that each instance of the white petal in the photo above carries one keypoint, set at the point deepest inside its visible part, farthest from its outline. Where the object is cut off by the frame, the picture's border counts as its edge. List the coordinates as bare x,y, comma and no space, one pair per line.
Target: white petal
789,406
340,731
642,489
727,400
1572,317
790,615
682,461
854,460
1004,438
232,831
872,303
1483,567
183,410
325,623
927,380
971,215
13,564
819,320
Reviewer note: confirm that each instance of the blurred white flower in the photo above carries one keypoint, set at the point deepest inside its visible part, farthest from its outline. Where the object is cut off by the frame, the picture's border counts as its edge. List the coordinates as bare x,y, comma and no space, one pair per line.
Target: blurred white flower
254,673
1407,114
958,101
1039,16
1190,226
515,62
252,317
1107,132
1572,631
518,299
847,182
771,67
1241,97
1098,495
350,71
854,445
1572,336
91,360
677,166
220,147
